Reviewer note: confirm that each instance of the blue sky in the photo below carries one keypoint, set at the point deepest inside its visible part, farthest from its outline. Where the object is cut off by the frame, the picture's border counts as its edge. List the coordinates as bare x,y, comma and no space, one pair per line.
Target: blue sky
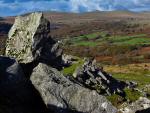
17,7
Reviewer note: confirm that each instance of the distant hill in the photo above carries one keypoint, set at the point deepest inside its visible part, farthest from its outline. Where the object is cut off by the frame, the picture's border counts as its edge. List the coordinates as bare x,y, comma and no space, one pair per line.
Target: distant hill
117,22
116,36
74,24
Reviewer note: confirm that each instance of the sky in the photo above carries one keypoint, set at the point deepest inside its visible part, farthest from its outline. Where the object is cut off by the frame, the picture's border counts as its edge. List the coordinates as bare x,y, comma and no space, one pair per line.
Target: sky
17,7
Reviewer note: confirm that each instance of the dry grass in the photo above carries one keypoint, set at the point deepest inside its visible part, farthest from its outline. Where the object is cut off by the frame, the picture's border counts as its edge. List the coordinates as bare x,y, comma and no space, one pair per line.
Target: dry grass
139,73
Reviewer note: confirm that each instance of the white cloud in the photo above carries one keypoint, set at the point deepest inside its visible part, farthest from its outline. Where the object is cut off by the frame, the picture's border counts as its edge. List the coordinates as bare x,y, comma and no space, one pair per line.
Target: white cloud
13,7
88,5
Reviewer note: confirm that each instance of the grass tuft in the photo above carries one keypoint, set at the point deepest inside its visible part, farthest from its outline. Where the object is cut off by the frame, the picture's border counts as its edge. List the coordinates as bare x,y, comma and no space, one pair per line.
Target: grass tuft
70,70
132,95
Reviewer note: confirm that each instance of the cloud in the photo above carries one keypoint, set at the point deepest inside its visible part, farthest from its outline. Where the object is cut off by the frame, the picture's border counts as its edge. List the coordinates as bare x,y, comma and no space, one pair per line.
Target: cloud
16,7
110,5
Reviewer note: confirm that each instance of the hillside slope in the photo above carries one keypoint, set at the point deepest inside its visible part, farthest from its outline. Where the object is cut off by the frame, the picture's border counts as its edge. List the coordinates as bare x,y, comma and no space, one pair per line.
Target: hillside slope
127,34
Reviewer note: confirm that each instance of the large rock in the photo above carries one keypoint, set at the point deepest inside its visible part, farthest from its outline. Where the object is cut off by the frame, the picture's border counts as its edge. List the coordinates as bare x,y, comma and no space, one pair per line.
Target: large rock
17,94
23,33
56,90
29,40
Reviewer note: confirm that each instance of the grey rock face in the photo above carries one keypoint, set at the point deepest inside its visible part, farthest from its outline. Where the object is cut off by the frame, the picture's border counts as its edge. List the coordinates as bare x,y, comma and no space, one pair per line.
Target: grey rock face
56,90
29,40
95,78
17,94
23,33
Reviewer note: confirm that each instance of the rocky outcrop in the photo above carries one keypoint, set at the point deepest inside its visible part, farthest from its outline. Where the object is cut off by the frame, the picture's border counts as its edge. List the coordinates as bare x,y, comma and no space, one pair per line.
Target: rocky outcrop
59,91
34,84
137,107
17,94
60,95
29,40
94,77
36,73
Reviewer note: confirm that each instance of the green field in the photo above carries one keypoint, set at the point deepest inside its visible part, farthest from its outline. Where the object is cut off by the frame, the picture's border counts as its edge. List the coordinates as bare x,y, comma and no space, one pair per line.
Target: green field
101,38
122,49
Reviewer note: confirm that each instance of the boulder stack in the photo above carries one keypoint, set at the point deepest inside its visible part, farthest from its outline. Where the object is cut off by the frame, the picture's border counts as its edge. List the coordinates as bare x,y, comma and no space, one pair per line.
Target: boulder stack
35,81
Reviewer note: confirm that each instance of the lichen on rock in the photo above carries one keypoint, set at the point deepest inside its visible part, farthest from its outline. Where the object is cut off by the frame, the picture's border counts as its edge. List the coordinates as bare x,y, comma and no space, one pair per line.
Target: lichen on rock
24,33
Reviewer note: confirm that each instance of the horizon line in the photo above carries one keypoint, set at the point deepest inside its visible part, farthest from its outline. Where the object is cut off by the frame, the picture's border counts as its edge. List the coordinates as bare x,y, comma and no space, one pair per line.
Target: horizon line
69,12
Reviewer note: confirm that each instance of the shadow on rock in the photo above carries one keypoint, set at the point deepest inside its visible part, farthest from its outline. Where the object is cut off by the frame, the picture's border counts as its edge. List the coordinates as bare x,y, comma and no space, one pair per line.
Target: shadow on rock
144,111
28,68
18,95
55,109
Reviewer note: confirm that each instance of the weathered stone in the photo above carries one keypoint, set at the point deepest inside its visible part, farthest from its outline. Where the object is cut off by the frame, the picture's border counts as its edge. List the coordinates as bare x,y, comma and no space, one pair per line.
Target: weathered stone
141,104
17,94
95,78
59,91
131,84
146,88
29,40
24,33
68,60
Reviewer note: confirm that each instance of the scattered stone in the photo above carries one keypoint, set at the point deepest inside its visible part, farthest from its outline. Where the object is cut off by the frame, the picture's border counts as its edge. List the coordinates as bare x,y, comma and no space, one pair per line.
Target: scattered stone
131,84
95,78
68,60
146,90
141,104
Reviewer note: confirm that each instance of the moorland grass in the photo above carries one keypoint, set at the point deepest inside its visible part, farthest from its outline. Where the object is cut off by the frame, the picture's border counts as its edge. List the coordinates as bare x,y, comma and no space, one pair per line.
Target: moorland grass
139,73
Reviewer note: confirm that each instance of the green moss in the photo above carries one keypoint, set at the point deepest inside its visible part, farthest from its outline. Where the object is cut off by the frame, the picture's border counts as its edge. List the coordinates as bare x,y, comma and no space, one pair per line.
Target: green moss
132,95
